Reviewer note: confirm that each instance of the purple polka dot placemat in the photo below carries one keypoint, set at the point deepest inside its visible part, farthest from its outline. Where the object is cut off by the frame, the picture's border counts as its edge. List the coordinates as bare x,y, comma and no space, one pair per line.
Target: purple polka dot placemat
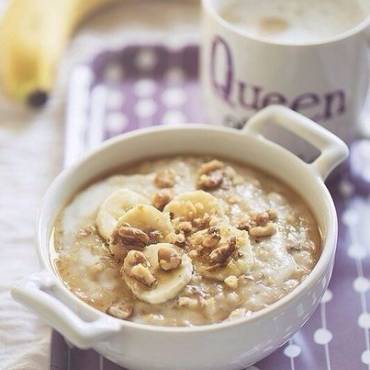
141,86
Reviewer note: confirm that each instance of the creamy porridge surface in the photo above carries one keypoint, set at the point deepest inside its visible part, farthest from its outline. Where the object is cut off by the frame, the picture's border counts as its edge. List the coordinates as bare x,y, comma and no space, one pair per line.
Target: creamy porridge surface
184,241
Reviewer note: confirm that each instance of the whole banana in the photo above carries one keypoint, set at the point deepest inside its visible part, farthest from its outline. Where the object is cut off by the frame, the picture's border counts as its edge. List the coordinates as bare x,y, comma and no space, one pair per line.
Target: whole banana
33,36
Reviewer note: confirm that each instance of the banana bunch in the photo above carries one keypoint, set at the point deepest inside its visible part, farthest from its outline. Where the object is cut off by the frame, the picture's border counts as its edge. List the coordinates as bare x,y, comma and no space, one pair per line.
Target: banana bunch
33,36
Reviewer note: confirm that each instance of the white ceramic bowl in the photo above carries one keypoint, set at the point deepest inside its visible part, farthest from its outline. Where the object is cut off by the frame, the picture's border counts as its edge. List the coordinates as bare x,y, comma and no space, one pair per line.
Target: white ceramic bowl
224,346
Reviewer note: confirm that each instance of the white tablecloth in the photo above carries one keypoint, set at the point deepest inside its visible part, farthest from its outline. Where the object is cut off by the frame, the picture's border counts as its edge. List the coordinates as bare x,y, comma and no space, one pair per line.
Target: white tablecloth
31,154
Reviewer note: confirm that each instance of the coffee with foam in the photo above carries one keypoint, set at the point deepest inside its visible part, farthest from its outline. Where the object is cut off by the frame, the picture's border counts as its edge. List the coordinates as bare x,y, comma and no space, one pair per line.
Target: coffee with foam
294,22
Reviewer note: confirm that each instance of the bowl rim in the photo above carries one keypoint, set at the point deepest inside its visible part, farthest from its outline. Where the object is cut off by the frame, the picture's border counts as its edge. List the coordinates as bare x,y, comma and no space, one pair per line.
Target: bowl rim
328,247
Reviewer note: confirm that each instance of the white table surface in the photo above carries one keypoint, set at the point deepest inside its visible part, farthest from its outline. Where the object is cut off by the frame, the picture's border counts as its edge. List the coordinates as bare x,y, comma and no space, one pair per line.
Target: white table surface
31,155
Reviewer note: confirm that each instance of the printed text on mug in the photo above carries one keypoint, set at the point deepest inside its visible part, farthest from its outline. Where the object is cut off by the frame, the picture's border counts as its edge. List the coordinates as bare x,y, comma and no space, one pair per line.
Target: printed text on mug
250,97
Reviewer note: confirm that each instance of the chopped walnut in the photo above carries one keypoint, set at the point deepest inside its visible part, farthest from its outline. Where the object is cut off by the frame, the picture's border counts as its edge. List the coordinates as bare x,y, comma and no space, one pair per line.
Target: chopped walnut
211,181
221,254
185,226
178,239
168,258
187,302
262,231
260,219
273,214
120,310
211,166
165,178
212,238
193,253
231,281
136,266
142,274
202,222
244,223
154,236
248,222
127,237
162,198
133,258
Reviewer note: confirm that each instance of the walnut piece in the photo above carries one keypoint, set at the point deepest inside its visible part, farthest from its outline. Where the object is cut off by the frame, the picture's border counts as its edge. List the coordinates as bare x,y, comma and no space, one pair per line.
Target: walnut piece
154,236
211,181
136,266
248,222
161,198
221,254
273,214
185,226
128,237
168,258
120,310
212,238
142,274
193,253
178,239
211,166
202,222
262,231
261,218
165,178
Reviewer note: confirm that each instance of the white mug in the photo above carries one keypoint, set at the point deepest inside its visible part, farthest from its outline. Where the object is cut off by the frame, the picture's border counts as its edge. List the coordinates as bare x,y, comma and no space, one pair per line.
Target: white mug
241,74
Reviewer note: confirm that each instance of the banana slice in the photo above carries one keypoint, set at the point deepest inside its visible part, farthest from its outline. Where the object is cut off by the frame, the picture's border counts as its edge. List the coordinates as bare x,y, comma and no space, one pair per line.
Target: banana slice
239,258
193,205
162,285
148,218
114,207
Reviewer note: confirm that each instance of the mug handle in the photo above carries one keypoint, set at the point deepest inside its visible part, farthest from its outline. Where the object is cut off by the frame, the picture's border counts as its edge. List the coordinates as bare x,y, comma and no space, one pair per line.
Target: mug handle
39,292
333,150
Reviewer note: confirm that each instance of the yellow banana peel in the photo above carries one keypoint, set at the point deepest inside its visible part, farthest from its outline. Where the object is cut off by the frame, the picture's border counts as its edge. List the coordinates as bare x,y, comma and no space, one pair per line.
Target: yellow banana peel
33,36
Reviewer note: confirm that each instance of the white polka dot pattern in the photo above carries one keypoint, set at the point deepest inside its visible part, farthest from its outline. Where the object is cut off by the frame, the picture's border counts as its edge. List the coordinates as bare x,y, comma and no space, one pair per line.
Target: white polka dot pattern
144,88
322,336
116,122
364,320
357,251
145,108
173,97
292,350
361,284
115,100
173,118
365,357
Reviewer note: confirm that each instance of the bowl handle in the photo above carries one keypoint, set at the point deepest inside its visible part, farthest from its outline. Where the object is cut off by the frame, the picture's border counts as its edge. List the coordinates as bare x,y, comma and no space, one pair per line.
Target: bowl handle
333,150
39,292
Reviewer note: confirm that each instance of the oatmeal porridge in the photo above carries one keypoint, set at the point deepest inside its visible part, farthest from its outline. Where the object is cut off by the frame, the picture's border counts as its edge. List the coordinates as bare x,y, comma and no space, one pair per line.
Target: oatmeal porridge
184,241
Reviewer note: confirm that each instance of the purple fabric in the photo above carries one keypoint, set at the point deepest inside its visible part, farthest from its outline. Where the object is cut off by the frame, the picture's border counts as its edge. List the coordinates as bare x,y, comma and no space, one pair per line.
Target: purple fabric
337,336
